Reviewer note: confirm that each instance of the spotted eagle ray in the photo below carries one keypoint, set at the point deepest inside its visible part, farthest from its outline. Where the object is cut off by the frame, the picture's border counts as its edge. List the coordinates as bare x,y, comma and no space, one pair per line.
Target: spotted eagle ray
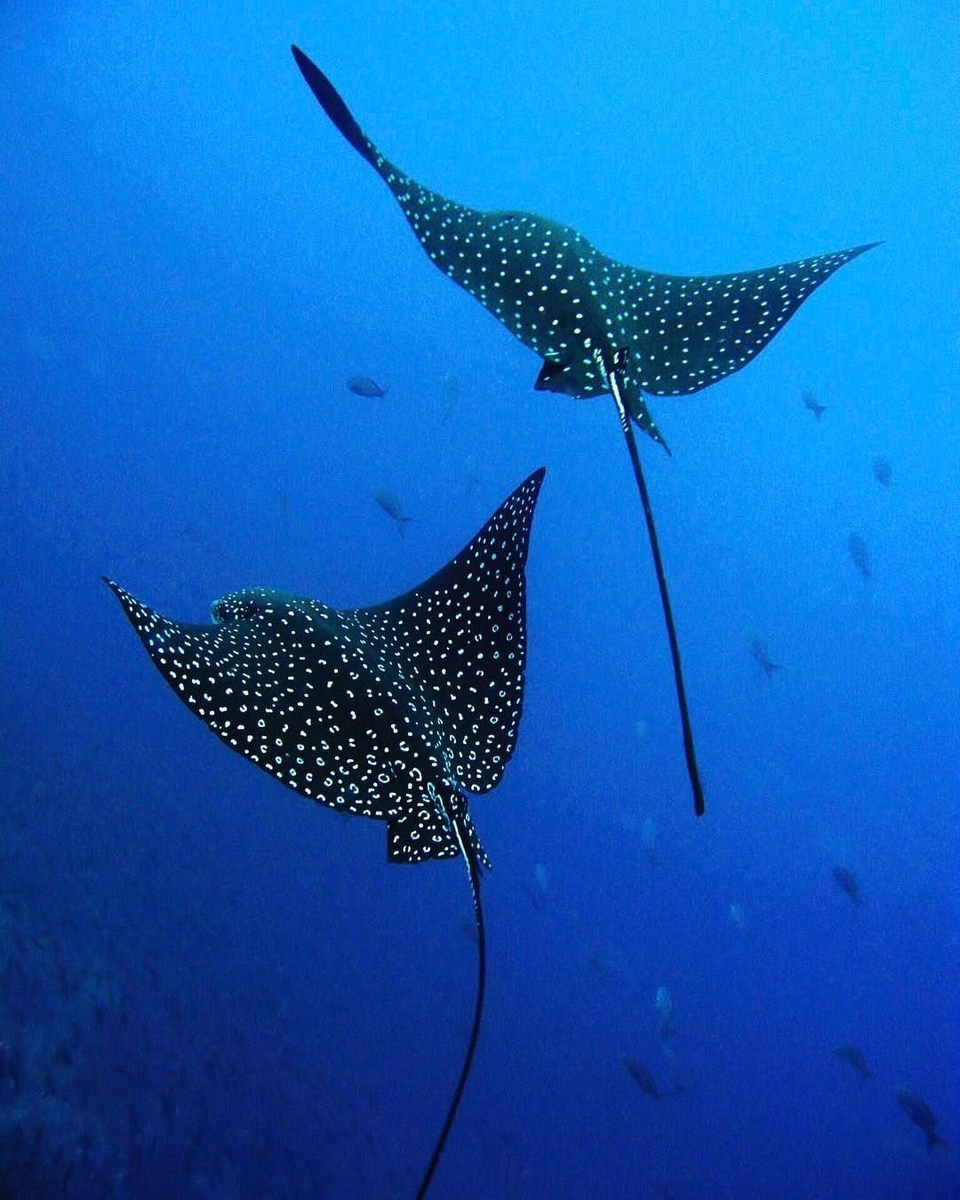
391,712
599,325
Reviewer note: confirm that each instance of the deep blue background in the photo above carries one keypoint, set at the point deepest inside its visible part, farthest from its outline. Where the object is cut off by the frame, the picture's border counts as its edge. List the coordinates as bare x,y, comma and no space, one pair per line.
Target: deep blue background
211,987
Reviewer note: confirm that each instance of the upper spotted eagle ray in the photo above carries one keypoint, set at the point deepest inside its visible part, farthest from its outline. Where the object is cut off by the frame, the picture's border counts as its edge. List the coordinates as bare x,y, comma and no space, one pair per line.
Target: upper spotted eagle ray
599,325
391,712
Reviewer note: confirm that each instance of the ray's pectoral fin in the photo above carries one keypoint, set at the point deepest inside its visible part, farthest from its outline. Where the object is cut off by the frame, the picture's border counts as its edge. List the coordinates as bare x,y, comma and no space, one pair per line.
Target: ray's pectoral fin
687,332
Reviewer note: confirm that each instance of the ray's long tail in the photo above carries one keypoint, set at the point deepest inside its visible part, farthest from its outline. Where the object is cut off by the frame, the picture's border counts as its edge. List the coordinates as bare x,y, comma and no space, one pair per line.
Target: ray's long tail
473,870
614,376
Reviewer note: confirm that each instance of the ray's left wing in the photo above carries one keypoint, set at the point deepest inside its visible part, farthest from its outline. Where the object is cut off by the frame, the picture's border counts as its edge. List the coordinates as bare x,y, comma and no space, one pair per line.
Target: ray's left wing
274,679
686,332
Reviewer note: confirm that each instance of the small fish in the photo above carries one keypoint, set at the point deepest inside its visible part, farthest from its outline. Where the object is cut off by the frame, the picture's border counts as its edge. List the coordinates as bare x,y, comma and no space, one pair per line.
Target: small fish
537,888
363,385
648,839
921,1114
605,973
642,1077
392,507
646,1082
471,473
883,472
810,400
9,1069
758,648
857,549
848,882
451,392
207,546
737,917
664,1007
854,1056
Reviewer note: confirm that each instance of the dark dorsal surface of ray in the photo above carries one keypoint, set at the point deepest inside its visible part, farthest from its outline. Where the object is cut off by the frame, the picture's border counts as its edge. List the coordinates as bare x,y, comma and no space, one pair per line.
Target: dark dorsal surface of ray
366,710
599,325
565,300
391,712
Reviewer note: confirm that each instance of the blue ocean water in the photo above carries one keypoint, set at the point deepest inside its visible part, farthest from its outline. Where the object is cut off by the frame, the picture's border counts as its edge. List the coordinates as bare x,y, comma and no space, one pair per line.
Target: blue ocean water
210,986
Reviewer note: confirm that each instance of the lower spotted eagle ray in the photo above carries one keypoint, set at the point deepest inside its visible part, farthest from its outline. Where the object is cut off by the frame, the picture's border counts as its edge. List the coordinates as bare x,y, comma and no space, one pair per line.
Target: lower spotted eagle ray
599,325
391,712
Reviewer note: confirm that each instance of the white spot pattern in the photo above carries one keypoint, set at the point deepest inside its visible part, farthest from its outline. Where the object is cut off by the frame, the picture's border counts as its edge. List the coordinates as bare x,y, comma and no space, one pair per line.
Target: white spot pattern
565,300
386,711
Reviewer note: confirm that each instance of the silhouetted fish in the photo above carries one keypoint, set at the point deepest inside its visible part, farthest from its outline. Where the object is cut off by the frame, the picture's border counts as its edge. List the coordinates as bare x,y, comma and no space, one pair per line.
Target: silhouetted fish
605,972
883,472
857,549
646,1082
758,648
648,839
392,507
921,1114
599,325
391,712
854,1056
9,1070
642,1077
810,400
471,472
537,888
664,1006
363,385
848,882
451,391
